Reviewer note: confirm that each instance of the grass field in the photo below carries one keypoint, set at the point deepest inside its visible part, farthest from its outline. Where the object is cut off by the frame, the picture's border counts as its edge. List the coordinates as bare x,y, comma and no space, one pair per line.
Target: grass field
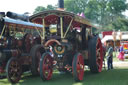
117,76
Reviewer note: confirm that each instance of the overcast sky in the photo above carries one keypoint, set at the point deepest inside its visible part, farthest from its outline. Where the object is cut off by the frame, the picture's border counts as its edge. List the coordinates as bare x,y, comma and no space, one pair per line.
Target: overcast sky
22,6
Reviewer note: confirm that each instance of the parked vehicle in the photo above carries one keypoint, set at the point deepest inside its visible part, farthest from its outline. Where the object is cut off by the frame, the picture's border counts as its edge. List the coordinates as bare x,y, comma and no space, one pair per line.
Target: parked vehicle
17,38
71,45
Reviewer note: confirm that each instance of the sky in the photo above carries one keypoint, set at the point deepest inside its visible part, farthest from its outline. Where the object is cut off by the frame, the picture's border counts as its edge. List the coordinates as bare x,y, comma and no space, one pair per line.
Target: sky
22,6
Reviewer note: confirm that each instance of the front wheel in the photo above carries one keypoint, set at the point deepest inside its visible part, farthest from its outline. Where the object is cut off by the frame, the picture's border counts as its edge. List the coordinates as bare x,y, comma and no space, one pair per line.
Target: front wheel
14,70
46,66
78,67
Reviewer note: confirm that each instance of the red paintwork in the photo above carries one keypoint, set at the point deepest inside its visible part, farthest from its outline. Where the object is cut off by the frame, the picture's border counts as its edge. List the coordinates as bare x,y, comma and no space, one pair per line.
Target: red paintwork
80,61
107,33
99,55
79,66
54,19
47,67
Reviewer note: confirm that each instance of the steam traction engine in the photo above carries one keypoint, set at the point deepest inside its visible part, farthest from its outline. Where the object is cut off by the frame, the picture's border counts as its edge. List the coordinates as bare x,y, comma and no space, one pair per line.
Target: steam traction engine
17,38
69,44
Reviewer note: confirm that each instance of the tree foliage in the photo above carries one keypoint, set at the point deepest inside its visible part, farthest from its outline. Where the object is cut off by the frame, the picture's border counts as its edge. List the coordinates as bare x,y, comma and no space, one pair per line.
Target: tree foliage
76,6
106,13
41,8
119,24
102,12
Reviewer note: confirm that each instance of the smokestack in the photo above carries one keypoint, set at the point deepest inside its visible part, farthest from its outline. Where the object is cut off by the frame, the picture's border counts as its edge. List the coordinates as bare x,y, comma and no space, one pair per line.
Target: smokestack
61,5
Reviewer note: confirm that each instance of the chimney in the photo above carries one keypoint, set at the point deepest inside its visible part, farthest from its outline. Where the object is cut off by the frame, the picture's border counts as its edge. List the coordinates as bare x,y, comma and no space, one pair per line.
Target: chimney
60,5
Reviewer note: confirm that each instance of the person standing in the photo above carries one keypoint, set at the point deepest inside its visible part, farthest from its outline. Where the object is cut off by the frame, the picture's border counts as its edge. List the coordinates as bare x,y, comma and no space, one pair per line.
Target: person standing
110,57
121,54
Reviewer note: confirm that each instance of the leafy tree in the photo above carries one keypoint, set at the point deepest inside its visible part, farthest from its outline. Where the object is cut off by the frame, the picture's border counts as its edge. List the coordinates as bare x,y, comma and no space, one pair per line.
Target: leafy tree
102,12
115,8
41,8
75,6
92,11
119,24
106,13
50,7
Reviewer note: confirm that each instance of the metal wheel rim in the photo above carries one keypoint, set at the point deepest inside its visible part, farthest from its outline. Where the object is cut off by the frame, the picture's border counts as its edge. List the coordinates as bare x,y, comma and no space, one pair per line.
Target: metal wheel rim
80,67
47,67
99,55
14,71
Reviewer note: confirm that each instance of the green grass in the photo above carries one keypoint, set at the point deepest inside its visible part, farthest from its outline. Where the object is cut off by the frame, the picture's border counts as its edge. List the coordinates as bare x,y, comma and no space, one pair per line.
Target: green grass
118,76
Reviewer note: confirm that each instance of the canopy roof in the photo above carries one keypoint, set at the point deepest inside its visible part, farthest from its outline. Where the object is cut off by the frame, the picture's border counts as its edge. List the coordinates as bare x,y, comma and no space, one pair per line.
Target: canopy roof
52,16
110,37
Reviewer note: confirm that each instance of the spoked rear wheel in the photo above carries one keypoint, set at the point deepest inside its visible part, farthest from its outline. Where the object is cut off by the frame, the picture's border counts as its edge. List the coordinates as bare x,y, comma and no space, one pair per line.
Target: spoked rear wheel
14,70
46,66
35,53
95,55
78,67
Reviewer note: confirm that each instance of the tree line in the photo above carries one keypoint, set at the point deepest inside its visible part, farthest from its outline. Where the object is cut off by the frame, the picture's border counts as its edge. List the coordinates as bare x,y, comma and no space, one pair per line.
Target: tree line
107,14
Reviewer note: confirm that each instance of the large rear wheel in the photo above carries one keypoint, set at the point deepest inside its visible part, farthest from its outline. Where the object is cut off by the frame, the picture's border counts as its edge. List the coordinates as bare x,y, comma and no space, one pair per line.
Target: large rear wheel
36,53
78,67
95,55
14,70
46,66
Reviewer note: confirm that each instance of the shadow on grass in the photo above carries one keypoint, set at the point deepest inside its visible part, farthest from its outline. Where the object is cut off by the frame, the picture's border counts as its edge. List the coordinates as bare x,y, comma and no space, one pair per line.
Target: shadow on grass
57,79
111,77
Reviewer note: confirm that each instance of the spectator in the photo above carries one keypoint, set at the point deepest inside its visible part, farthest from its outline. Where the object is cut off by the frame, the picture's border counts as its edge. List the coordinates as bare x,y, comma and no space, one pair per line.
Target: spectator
110,57
121,54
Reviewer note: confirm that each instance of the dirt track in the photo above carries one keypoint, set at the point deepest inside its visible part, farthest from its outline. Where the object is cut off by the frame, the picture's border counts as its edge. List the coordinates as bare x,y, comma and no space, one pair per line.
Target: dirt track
120,64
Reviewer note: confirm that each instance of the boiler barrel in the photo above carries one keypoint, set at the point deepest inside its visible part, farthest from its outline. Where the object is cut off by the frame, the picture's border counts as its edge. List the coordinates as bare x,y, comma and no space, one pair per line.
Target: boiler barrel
17,16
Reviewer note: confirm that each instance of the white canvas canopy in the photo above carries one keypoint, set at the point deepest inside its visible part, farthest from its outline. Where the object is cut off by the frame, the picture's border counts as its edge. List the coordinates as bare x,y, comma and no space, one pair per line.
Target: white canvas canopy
110,37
